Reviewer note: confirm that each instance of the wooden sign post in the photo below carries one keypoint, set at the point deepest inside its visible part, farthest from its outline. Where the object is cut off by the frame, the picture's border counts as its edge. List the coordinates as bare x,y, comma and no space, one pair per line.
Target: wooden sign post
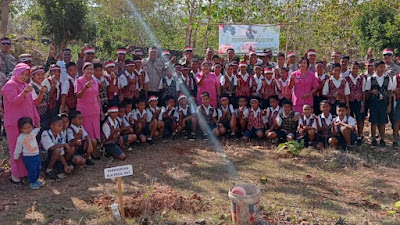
118,172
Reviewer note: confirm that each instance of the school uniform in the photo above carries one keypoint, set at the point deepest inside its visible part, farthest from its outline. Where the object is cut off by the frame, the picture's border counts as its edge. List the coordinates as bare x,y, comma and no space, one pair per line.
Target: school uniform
306,122
168,122
110,138
287,125
243,88
171,90
67,88
186,85
42,108
186,112
271,115
396,101
143,79
357,89
54,100
339,136
112,94
71,132
380,101
345,74
268,90
318,97
230,90
255,124
137,115
226,122
124,121
256,86
47,141
208,114
325,128
102,92
284,92
129,88
339,86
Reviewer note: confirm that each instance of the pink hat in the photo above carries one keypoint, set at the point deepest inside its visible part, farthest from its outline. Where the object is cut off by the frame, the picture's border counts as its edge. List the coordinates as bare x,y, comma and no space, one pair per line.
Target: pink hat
37,70
387,51
153,98
181,97
290,54
166,52
312,52
112,109
89,50
109,64
243,63
268,70
121,51
20,68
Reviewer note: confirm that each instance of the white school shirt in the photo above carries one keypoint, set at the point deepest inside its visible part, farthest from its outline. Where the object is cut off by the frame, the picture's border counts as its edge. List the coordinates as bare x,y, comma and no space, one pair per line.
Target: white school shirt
48,140
256,112
164,110
305,121
138,115
258,81
345,74
169,81
184,111
346,119
279,119
122,81
380,80
245,78
222,80
259,86
245,112
34,95
207,110
107,129
123,122
323,77
271,111
150,113
75,129
101,80
221,109
337,83
65,85
284,83
354,80
328,121
46,83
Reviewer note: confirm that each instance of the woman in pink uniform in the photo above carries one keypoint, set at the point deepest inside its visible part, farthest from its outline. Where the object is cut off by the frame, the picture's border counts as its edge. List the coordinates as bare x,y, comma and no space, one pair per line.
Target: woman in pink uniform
87,92
18,102
207,81
304,84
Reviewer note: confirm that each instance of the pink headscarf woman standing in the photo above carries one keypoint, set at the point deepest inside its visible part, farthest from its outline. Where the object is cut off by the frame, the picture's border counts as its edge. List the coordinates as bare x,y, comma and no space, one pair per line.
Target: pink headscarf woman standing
18,102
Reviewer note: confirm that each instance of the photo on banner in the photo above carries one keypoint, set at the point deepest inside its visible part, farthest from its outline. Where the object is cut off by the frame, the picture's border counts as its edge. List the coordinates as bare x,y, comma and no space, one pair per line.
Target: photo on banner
246,38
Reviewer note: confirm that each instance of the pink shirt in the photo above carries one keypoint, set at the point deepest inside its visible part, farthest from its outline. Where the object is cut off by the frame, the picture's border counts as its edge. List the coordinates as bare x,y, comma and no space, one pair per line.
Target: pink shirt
16,105
209,85
88,104
303,84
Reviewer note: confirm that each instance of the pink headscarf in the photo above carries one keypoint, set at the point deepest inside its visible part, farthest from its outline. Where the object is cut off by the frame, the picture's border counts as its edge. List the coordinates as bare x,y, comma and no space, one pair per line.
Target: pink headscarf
18,70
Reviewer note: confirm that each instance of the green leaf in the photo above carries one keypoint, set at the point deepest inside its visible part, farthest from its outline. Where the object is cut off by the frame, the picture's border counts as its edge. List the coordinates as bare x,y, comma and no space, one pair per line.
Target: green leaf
397,205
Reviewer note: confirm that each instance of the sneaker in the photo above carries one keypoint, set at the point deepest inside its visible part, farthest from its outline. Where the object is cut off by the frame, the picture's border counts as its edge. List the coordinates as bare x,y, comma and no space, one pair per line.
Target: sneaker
95,157
129,149
52,175
205,137
382,143
39,183
349,148
89,163
374,143
61,175
395,144
185,134
192,137
150,142
34,186
359,142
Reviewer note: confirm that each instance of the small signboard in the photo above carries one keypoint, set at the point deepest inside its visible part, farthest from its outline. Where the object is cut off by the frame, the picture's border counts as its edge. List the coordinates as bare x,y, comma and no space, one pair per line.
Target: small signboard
118,171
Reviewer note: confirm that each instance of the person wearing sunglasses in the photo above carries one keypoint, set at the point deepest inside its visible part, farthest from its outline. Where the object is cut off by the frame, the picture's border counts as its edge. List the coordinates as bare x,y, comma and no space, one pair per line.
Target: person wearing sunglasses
392,69
8,61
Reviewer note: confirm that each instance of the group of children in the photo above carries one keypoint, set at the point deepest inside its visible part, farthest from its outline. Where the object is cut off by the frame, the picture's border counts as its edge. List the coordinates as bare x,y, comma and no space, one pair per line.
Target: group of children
253,103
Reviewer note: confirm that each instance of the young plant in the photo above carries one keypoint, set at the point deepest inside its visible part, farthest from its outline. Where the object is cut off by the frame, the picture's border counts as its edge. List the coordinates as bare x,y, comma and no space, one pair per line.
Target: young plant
292,147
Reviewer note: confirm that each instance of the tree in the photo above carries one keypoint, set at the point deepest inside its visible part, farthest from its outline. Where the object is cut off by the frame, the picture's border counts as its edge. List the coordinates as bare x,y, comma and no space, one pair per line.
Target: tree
378,25
62,20
5,11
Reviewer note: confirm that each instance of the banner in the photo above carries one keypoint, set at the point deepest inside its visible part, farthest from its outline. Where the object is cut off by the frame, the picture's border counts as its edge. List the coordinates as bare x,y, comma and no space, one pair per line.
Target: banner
245,38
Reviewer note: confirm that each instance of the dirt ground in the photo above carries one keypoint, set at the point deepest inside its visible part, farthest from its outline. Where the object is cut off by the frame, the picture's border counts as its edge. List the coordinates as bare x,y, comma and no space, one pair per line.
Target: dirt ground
182,182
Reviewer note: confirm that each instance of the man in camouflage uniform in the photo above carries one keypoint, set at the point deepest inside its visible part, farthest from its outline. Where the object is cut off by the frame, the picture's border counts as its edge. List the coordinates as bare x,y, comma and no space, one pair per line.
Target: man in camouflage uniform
392,69
8,61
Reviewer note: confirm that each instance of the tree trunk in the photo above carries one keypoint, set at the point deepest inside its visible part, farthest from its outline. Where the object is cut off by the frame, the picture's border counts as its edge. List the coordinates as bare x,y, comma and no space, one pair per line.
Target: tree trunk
208,25
189,24
5,11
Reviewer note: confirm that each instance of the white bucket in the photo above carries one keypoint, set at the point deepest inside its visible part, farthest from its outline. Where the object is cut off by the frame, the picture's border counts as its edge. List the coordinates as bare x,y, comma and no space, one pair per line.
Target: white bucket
245,207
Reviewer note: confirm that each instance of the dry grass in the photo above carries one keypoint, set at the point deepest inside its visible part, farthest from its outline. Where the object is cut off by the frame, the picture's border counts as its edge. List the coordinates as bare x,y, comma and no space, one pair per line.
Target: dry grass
317,187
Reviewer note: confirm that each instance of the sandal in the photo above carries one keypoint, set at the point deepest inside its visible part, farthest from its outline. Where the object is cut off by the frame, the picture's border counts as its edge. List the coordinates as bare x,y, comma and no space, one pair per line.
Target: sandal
16,183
